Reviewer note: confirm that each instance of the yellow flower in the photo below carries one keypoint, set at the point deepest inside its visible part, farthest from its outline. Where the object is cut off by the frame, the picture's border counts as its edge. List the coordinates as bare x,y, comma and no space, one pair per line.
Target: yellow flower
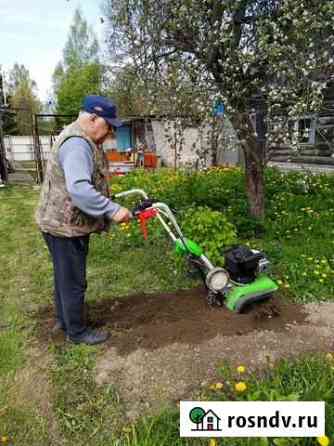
217,386
323,441
4,439
213,442
329,357
241,369
240,387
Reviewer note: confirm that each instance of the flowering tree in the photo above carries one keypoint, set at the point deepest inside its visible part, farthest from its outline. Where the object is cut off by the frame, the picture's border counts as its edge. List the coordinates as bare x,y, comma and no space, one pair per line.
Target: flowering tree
267,60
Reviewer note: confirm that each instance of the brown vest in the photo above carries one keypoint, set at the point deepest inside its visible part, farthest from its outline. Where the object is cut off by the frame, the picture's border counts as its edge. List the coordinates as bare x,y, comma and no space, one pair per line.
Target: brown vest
56,213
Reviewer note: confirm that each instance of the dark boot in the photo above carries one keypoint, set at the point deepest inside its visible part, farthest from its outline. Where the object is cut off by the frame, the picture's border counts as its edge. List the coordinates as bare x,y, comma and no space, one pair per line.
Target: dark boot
89,337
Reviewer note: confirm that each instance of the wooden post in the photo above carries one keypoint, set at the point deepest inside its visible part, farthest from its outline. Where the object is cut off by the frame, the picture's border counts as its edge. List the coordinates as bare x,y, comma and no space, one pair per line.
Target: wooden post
37,150
3,164
175,148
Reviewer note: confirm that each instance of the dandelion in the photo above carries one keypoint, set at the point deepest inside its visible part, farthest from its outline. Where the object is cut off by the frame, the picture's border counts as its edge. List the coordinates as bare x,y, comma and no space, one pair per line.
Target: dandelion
219,386
240,387
213,442
329,357
323,441
241,369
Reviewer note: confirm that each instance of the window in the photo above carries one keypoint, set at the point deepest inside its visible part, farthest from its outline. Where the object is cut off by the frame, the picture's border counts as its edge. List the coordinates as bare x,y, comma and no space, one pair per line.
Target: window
304,130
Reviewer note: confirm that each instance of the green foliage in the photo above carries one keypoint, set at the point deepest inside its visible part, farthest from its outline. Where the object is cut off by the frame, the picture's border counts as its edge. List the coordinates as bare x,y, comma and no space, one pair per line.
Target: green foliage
79,73
76,84
19,74
22,97
132,235
11,351
306,379
128,91
211,230
221,189
58,76
298,229
24,426
162,430
82,45
81,407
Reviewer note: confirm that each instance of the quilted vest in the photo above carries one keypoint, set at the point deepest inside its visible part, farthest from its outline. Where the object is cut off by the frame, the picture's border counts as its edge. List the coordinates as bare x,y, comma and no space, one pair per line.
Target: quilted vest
56,213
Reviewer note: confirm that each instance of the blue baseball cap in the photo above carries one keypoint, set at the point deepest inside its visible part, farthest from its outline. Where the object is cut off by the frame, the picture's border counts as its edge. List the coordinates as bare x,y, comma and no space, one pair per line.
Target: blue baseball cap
102,107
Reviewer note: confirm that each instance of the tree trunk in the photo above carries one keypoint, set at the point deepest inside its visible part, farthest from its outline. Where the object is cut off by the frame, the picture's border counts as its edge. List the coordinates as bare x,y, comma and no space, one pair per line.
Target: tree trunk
214,142
254,150
254,187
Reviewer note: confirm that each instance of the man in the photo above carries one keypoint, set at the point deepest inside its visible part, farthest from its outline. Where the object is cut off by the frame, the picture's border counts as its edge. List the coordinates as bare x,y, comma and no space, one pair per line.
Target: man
74,203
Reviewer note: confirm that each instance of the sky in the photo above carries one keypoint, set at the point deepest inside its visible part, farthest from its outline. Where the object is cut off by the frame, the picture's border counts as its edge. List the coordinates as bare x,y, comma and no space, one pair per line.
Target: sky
34,33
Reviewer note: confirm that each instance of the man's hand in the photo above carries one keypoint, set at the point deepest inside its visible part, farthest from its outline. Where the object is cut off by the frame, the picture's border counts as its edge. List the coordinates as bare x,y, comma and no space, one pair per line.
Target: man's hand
123,215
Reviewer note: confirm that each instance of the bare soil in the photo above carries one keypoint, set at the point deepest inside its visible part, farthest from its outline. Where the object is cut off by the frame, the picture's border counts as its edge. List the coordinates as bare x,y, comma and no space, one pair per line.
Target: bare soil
164,347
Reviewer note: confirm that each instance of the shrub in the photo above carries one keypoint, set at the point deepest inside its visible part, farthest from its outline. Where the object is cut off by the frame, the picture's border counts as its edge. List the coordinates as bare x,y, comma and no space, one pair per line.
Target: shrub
210,229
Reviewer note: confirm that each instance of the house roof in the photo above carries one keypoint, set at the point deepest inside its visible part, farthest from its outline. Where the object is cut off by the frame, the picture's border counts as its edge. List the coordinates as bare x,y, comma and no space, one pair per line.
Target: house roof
213,413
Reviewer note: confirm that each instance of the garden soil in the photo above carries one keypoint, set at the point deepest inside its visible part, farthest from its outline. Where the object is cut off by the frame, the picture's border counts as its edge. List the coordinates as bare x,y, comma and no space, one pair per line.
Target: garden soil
166,347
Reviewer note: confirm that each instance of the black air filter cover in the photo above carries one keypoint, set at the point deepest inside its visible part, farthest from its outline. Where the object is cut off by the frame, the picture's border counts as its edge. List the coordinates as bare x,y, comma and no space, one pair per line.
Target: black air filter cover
242,263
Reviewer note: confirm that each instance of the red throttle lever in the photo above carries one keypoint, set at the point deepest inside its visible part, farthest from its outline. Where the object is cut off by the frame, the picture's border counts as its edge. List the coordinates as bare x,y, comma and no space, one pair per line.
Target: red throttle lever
143,217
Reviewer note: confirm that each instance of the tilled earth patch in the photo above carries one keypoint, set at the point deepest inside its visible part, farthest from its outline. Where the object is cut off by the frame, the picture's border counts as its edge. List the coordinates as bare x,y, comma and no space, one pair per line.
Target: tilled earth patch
164,347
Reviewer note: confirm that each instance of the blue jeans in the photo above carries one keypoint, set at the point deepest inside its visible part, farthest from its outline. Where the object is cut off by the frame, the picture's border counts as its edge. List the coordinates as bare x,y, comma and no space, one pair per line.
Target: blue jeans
69,267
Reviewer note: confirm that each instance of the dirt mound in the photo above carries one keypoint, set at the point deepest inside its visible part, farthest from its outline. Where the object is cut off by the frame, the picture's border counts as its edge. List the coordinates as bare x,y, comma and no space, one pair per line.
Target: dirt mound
154,321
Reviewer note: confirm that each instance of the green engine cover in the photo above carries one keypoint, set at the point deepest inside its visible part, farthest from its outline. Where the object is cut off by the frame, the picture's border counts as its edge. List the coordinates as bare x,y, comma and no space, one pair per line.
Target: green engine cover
191,247
241,295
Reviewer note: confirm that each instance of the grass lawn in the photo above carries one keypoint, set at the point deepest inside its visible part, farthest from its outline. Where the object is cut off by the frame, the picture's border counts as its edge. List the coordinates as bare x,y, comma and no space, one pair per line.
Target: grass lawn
48,394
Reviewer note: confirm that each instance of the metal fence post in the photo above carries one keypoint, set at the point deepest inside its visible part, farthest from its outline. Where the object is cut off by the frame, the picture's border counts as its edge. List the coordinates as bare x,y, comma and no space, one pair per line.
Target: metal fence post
37,150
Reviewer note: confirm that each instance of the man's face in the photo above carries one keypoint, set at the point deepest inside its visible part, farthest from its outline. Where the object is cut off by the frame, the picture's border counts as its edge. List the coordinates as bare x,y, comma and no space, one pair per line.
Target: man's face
101,129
